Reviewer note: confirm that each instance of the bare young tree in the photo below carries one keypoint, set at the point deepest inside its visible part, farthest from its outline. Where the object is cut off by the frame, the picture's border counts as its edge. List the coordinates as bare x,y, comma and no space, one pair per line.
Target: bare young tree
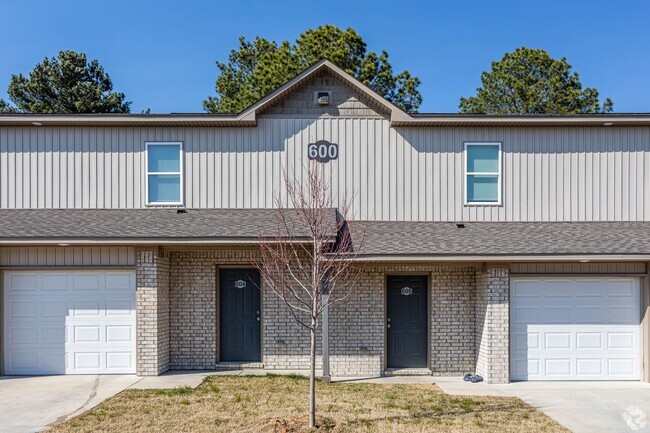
309,261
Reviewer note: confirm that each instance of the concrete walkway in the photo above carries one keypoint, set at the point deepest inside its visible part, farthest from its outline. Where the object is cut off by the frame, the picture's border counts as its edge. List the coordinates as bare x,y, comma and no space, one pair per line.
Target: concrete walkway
31,404
193,378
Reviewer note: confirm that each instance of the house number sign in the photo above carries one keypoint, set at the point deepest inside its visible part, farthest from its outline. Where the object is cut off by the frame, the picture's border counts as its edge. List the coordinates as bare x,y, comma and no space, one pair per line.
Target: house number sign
240,284
323,151
407,291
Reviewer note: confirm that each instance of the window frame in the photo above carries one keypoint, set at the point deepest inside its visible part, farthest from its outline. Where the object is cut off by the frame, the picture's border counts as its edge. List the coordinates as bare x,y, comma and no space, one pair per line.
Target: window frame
499,174
180,173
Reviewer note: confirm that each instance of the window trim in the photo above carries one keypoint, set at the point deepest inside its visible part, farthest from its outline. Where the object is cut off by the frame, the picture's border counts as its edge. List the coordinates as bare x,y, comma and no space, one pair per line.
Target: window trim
174,173
499,174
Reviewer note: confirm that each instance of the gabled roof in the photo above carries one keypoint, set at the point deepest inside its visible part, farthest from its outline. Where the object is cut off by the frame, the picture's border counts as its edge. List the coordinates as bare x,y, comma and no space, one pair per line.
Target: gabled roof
248,117
326,66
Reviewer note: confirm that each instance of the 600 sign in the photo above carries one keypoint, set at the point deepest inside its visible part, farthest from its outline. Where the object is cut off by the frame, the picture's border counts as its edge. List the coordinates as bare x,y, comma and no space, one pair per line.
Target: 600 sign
323,151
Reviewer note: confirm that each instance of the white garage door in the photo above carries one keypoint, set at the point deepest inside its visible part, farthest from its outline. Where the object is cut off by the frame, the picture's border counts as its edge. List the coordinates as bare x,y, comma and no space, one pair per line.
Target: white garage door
575,329
69,322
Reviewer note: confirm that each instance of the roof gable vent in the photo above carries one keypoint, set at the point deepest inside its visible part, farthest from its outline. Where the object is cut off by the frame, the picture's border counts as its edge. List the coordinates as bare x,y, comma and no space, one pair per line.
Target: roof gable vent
323,98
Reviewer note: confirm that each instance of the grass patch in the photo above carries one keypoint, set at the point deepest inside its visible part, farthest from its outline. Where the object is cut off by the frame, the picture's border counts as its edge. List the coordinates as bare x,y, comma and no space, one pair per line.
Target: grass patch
278,404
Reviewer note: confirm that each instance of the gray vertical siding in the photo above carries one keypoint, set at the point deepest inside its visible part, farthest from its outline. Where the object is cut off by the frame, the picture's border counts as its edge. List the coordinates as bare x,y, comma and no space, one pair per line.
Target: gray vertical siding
72,256
415,173
579,268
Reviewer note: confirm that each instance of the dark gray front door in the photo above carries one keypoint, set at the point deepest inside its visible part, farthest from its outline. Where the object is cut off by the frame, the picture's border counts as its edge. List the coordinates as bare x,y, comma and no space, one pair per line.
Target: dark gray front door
239,315
407,322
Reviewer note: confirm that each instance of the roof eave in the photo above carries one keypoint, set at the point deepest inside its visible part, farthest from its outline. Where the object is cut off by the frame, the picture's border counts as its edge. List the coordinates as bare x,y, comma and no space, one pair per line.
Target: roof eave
523,120
63,241
497,258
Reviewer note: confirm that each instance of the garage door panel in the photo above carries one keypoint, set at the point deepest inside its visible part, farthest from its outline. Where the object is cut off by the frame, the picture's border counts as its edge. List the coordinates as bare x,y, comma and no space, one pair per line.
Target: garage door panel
621,314
620,289
27,282
555,314
586,289
558,367
23,335
55,282
621,367
26,361
119,334
557,340
588,314
556,289
621,340
54,308
119,307
87,360
525,315
87,334
589,367
87,282
119,361
527,289
85,328
589,341
525,340
526,367
118,281
86,308
53,334
22,309
588,337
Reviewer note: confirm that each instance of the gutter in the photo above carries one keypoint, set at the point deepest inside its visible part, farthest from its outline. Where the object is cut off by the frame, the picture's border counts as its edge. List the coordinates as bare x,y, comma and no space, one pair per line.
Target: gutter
141,241
501,258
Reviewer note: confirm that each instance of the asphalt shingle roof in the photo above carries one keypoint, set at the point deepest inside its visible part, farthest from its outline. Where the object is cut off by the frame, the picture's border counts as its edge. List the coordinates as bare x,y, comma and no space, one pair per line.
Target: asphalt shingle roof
144,223
385,238
501,238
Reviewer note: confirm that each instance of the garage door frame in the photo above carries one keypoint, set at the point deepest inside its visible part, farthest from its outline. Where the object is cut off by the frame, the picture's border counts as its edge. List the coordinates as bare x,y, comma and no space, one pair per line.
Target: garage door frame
2,323
71,269
644,310
645,327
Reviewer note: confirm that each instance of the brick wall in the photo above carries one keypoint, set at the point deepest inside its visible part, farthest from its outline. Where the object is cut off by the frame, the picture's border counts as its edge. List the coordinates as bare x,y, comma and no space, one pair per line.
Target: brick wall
194,315
152,307
453,323
492,318
460,313
357,329
193,301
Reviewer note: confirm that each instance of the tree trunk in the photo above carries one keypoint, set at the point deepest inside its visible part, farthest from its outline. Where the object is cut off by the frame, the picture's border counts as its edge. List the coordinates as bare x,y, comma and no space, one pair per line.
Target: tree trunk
312,379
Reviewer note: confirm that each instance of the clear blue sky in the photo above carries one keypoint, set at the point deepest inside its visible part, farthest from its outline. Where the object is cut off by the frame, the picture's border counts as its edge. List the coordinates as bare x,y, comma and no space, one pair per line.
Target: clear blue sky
161,53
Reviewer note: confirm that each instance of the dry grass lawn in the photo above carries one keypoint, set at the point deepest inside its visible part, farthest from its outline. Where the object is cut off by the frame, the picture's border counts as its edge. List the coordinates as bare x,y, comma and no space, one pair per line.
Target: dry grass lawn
278,404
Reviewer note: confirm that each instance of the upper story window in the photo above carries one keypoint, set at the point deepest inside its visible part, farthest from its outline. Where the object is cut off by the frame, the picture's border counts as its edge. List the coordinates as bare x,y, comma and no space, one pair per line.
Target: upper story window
483,173
164,173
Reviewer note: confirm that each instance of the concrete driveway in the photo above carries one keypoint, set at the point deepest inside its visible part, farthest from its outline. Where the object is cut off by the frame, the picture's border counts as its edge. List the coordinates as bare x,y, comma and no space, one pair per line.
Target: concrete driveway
583,407
31,404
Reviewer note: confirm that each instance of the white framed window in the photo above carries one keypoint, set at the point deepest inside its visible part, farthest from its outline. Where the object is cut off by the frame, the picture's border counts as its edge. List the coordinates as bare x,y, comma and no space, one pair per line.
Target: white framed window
483,173
164,173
